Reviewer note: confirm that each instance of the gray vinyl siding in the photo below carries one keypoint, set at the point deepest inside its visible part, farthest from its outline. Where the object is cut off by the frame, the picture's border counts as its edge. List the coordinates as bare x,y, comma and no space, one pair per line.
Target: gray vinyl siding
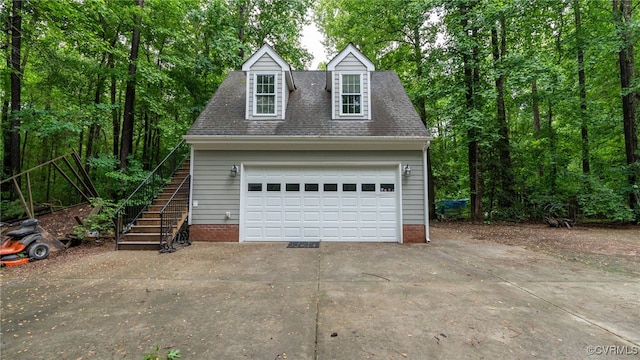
351,65
266,65
216,192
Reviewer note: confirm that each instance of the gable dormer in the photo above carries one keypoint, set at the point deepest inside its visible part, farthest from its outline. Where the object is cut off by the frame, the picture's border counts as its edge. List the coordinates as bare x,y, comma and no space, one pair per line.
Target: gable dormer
349,79
269,82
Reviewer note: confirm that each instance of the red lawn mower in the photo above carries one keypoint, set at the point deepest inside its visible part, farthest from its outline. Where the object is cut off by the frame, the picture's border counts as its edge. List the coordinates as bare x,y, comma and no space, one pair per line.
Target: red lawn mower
22,246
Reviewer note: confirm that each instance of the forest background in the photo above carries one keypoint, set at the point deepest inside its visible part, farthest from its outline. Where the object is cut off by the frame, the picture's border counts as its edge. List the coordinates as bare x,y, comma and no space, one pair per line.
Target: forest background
531,102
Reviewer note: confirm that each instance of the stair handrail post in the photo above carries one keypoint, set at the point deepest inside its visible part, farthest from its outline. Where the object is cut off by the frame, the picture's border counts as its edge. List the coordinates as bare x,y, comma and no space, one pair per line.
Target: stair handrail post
118,227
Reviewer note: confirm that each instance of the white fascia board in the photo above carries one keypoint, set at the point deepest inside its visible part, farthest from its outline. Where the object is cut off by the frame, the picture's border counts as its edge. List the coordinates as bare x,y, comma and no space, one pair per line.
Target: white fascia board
350,49
258,54
354,143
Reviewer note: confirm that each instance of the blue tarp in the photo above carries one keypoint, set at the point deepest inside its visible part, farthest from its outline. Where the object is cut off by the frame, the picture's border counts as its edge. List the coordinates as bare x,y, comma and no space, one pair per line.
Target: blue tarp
455,206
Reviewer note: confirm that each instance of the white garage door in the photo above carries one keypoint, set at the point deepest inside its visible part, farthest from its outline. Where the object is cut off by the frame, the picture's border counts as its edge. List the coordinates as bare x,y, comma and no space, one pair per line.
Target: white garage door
320,204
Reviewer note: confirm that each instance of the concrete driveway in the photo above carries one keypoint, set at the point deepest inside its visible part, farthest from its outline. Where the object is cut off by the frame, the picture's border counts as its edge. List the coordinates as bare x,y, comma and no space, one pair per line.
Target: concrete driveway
444,300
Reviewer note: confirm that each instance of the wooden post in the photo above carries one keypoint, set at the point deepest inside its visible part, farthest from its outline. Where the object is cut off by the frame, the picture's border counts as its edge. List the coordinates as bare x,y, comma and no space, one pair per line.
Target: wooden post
30,195
80,179
24,203
84,196
87,180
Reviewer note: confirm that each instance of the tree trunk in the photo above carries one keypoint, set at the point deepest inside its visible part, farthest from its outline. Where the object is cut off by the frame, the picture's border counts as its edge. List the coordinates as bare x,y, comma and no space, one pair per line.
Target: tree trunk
16,88
422,111
242,9
94,128
115,114
499,48
536,106
6,133
471,79
552,150
536,119
146,143
126,143
583,90
622,12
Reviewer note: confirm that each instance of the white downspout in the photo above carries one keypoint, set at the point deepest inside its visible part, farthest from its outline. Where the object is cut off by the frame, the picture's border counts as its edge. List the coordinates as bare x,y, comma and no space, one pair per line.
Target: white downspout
425,174
192,161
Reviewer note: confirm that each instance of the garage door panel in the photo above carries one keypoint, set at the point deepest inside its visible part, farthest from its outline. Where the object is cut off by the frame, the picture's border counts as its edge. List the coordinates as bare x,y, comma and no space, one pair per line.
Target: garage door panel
254,201
388,215
349,216
254,233
311,233
370,216
273,232
368,201
254,216
311,201
330,202
292,216
330,216
273,201
388,202
369,233
292,201
310,216
273,216
330,233
292,232
387,233
349,233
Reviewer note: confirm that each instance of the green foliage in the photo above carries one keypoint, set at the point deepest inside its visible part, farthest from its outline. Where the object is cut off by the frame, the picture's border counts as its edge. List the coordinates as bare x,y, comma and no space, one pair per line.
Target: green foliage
117,182
98,224
172,354
602,202
12,209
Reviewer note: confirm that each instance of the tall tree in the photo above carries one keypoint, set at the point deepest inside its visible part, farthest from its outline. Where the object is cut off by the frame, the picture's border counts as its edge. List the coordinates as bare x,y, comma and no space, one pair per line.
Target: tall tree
16,87
622,11
584,129
499,48
126,144
471,75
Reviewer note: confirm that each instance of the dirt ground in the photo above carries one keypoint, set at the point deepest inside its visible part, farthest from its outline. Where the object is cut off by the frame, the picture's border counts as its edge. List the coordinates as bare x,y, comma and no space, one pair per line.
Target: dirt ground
614,248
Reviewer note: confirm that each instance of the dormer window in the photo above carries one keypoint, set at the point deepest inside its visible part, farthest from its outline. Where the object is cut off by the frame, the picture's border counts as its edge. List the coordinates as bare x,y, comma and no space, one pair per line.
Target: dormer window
351,94
349,81
265,94
269,82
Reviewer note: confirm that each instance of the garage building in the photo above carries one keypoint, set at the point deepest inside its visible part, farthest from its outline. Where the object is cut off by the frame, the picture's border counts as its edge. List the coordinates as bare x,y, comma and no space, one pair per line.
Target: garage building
283,155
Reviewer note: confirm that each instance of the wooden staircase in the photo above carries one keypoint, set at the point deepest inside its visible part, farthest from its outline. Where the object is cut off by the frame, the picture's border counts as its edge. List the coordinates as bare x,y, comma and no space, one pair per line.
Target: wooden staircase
146,233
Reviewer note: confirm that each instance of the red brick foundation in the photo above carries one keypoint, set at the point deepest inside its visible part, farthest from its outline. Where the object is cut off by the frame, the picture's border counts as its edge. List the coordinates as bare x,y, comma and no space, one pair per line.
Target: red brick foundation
214,233
231,233
413,234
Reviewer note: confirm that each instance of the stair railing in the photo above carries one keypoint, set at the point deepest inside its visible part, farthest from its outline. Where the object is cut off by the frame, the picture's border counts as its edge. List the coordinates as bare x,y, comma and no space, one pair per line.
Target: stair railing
173,212
134,205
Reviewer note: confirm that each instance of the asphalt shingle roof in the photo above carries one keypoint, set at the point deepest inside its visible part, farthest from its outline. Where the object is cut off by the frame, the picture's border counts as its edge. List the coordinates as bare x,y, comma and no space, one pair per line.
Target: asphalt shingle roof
308,111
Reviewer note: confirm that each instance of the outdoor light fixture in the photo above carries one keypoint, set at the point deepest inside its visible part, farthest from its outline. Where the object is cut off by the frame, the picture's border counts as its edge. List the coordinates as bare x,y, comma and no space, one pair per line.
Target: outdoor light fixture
234,171
407,170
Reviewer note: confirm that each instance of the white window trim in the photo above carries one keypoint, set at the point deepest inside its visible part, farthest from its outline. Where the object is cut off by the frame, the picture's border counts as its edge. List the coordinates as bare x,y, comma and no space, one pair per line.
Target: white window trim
362,101
255,94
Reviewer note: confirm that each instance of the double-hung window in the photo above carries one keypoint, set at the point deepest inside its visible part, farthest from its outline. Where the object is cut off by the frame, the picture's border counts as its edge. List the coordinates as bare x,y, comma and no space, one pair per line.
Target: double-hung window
265,94
351,94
